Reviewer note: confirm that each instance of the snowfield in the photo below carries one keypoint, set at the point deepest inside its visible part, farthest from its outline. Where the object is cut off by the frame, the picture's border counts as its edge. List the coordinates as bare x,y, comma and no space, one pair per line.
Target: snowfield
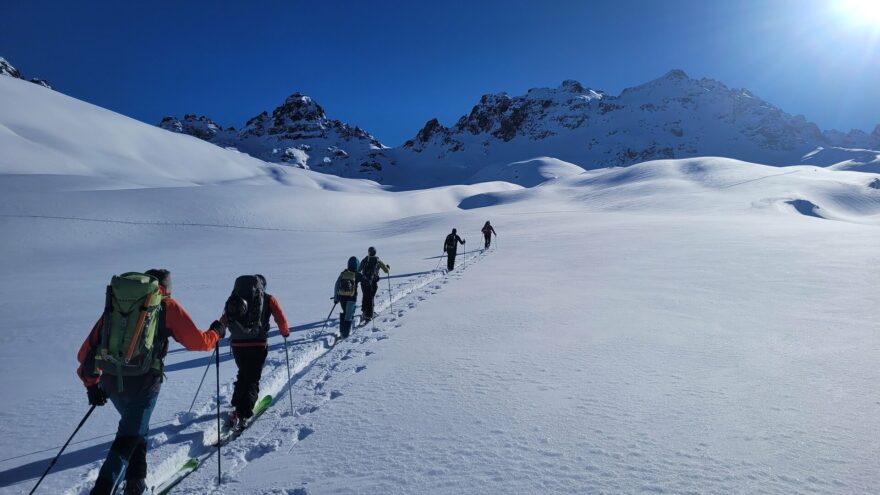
679,326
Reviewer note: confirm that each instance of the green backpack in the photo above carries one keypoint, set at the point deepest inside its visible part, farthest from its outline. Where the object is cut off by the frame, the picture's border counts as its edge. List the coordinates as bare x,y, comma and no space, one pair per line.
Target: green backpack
131,320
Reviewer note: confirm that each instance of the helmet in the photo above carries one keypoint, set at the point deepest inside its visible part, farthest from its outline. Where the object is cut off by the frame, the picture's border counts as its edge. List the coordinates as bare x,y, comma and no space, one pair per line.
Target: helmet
372,251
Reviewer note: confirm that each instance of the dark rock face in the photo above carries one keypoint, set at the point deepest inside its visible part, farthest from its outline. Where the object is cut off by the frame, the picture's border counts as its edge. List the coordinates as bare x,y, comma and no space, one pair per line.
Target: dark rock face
195,125
6,69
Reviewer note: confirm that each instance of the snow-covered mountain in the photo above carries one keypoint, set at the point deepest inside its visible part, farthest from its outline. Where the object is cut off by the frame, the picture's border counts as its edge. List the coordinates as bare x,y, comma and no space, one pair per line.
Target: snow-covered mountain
6,69
674,116
297,133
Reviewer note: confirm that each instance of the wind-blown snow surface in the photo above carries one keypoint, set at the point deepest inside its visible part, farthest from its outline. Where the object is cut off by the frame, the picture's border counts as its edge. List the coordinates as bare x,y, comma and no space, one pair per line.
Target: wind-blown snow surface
692,326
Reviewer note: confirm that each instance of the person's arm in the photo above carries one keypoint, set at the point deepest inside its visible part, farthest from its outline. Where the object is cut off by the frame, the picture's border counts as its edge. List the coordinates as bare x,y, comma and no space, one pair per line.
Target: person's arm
336,289
493,230
460,240
361,265
86,356
385,268
185,331
278,315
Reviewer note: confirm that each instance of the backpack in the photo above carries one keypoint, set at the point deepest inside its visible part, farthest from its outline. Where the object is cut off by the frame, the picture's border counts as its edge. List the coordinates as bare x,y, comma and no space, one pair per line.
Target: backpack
347,284
451,244
128,345
245,307
370,268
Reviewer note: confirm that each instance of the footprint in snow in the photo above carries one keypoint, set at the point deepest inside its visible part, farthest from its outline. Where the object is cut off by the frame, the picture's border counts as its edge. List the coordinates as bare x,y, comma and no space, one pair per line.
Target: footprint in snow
304,432
359,369
334,394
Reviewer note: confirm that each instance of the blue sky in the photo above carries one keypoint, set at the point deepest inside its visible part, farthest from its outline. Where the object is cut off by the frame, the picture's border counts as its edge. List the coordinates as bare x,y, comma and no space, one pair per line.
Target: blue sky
389,66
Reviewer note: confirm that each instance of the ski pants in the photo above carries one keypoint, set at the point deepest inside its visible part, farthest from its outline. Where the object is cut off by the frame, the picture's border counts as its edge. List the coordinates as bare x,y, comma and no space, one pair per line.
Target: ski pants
250,362
128,452
488,239
450,260
346,317
369,297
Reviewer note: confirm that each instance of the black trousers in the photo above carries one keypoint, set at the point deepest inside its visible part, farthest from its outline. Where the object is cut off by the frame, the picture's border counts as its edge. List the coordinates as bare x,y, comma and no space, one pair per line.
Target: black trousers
488,239
369,297
450,260
250,362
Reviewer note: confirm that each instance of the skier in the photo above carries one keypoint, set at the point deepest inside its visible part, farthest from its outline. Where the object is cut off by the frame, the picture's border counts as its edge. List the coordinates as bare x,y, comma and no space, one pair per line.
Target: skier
132,384
247,315
345,294
369,268
487,231
450,247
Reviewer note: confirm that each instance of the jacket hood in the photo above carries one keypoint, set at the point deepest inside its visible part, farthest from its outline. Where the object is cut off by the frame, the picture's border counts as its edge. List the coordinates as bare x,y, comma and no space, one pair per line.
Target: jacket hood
353,264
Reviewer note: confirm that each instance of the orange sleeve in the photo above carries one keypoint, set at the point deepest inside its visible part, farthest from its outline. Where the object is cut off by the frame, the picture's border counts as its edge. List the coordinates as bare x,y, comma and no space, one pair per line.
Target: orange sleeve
86,356
185,331
278,315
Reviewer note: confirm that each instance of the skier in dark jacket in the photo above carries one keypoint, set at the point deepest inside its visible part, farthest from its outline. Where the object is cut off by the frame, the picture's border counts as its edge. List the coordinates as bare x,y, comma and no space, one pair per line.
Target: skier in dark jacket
450,247
135,401
250,346
345,294
369,268
487,231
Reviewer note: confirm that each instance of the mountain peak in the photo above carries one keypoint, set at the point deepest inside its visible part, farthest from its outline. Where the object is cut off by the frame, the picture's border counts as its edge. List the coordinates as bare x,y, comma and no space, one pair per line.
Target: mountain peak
6,69
675,75
572,86
300,107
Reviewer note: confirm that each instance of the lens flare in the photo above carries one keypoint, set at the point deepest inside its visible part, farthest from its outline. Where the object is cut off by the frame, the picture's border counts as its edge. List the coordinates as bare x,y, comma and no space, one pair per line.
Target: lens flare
861,12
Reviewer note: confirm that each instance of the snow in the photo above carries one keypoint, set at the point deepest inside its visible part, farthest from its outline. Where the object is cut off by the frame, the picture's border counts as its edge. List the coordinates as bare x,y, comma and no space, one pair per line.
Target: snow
679,326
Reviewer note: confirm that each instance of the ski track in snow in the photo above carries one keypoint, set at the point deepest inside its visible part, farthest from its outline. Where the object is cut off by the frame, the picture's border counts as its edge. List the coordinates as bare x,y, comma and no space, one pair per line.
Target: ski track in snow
314,365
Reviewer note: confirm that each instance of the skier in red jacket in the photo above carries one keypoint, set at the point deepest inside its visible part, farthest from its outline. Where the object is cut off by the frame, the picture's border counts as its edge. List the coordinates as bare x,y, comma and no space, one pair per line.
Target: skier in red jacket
137,397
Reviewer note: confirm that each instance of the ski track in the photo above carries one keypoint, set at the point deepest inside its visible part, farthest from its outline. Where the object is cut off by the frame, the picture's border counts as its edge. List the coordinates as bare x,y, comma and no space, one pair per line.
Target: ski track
313,368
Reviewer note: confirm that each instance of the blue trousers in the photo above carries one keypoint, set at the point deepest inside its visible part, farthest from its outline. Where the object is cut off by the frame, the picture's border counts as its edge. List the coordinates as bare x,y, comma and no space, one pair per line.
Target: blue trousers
128,453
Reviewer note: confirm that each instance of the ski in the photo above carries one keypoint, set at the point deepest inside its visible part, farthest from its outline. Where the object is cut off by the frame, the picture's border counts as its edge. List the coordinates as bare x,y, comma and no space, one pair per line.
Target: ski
193,463
188,467
229,434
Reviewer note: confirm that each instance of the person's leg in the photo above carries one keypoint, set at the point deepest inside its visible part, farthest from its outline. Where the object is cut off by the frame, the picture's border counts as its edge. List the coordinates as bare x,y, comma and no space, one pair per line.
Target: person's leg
128,451
367,301
255,373
450,262
347,317
240,387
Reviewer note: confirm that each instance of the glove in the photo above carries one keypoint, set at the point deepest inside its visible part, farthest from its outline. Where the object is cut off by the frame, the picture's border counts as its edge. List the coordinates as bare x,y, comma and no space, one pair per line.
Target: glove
97,396
219,328
284,333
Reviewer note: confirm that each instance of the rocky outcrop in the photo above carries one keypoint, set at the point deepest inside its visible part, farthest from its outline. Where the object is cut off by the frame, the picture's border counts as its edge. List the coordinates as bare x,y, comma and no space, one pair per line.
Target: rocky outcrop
6,69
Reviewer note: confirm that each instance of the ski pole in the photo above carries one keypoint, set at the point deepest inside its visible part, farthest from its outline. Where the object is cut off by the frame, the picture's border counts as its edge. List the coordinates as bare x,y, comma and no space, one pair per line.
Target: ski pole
438,262
49,468
390,295
217,353
328,316
200,383
287,355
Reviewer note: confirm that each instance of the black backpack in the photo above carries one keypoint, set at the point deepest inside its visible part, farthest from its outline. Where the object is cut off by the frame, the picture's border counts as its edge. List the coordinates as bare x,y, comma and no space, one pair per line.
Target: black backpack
245,308
451,242
370,268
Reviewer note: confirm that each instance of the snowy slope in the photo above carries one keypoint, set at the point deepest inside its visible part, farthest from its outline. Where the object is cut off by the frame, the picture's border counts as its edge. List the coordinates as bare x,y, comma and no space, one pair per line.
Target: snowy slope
677,326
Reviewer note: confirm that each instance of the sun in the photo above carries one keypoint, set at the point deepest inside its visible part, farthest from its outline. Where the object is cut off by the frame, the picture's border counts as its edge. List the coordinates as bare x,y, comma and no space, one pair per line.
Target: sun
861,12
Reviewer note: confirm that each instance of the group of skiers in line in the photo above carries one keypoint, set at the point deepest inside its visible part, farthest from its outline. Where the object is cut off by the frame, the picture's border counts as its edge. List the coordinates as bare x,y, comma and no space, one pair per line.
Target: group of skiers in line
128,344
